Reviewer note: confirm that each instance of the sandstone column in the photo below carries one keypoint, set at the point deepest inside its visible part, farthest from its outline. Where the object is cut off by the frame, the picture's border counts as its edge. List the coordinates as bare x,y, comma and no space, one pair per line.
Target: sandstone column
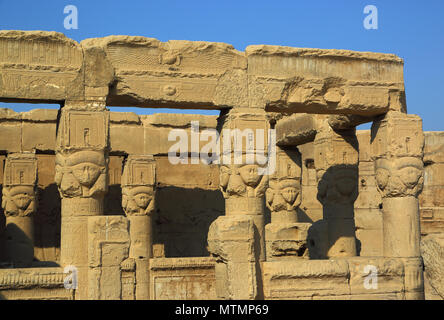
81,176
284,236
336,162
19,203
138,202
397,147
243,181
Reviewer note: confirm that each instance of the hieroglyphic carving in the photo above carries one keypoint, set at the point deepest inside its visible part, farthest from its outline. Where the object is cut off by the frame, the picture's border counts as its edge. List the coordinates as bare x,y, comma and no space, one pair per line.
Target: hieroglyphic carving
39,65
82,178
19,185
138,183
42,53
284,191
138,202
285,237
83,130
19,202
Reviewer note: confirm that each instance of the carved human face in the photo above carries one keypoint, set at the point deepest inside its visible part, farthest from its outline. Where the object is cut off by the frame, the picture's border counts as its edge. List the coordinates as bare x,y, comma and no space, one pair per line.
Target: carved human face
142,200
249,175
137,200
400,177
290,194
22,200
18,200
86,173
338,184
283,195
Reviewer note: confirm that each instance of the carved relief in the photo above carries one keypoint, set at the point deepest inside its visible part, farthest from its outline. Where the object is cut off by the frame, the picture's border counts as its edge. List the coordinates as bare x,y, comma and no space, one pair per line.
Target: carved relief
336,161
19,201
338,185
81,174
19,185
242,180
400,177
138,200
83,130
138,185
284,190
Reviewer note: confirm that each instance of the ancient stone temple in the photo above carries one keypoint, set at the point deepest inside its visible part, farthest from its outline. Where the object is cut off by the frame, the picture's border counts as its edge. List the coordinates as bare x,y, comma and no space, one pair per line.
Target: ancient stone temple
98,204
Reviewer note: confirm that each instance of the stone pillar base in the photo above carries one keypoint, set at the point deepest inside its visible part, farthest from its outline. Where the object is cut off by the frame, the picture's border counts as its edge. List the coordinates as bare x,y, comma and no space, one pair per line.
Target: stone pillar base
286,240
231,240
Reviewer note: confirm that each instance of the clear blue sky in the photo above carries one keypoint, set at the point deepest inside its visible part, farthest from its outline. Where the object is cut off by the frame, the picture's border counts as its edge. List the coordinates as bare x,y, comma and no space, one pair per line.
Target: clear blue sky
414,30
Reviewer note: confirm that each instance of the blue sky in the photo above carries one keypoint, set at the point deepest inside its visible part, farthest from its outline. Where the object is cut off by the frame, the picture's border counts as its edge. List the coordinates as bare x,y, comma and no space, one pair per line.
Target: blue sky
414,30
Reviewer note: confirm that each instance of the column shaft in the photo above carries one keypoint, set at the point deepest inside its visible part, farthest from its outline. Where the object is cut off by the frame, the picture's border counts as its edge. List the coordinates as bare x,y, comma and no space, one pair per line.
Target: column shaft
19,202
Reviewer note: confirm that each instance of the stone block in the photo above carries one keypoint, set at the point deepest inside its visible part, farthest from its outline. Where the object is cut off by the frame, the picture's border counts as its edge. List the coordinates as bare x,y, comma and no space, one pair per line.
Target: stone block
40,65
376,275
305,278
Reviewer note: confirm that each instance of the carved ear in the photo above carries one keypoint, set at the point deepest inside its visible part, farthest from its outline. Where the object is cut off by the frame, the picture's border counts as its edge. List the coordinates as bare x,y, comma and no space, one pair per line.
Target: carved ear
31,208
100,186
150,209
10,207
298,200
261,187
382,177
58,174
269,196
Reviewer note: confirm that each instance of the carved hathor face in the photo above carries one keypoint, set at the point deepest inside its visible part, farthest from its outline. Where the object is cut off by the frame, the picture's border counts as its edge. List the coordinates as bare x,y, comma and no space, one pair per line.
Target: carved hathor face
137,200
400,177
18,200
283,195
249,175
235,179
339,184
79,172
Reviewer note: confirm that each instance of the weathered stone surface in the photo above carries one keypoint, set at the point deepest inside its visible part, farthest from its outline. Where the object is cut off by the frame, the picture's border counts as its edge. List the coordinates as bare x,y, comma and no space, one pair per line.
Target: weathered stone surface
296,129
115,71
40,65
183,278
305,279
349,121
322,81
180,73
432,251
